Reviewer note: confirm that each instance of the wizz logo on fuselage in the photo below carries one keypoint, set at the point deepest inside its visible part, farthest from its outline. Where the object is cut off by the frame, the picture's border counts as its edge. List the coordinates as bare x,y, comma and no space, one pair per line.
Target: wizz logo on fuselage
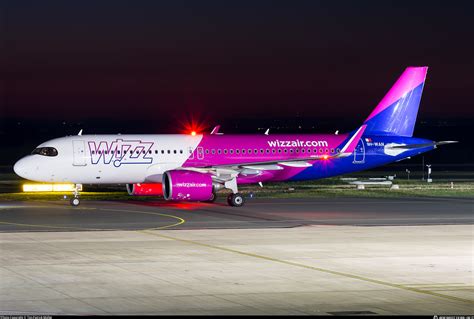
120,152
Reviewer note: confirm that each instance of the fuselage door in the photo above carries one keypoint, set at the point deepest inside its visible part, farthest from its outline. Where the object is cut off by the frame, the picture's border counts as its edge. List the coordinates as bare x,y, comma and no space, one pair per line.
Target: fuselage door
200,153
191,153
359,153
79,153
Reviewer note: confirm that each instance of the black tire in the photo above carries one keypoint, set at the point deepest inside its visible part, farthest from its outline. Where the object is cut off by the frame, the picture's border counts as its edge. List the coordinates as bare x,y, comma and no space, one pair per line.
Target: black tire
75,201
235,200
212,199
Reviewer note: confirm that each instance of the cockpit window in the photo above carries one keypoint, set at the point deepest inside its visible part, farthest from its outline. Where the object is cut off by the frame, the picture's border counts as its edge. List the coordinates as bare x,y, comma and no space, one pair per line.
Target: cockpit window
45,151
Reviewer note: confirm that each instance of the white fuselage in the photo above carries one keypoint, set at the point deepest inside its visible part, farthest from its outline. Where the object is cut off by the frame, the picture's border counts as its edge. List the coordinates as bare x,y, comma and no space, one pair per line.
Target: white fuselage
108,159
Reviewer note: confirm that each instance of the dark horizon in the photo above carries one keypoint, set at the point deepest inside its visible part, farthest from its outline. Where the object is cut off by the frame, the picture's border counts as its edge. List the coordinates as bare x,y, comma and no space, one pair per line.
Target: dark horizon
155,67
136,60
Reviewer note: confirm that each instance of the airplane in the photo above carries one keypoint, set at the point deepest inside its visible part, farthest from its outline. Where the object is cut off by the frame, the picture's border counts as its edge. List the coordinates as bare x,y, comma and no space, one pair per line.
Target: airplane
193,167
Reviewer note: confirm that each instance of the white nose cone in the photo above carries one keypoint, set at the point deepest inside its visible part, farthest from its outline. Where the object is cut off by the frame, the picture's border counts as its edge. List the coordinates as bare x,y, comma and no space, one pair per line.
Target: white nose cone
20,168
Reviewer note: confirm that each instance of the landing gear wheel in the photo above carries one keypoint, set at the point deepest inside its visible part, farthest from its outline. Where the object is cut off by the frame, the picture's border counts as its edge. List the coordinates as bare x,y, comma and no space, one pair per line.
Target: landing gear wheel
235,200
75,201
212,199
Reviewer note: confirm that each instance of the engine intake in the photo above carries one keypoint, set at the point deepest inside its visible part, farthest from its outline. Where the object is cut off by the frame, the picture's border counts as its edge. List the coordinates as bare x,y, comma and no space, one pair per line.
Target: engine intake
145,189
187,185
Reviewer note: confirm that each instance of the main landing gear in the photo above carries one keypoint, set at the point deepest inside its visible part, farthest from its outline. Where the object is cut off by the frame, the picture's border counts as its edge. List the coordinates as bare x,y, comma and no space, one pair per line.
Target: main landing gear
235,200
75,201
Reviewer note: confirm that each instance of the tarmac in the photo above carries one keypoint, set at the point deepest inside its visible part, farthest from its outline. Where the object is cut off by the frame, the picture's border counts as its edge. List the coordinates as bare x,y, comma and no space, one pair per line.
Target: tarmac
258,213
275,256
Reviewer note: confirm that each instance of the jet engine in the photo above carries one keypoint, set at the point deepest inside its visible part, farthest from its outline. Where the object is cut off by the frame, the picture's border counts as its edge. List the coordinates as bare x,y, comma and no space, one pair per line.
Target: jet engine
145,189
187,185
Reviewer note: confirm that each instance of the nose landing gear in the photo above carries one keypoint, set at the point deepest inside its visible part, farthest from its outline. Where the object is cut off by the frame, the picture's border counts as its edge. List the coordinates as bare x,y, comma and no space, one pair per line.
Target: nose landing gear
75,201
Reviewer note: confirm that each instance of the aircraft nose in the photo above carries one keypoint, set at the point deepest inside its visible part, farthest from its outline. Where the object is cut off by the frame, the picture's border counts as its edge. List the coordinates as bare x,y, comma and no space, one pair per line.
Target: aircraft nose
20,168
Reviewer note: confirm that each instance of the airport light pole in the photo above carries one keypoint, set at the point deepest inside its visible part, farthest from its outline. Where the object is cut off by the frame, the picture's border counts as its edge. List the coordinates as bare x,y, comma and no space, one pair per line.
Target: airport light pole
429,180
408,173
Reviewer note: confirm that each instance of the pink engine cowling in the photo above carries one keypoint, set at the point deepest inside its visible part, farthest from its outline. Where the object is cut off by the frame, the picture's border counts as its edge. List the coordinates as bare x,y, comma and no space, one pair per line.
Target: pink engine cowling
145,189
187,185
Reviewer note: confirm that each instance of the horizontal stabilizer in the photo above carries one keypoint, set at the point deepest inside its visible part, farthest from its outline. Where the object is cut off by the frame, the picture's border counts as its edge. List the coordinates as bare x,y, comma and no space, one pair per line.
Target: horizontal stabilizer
446,142
413,146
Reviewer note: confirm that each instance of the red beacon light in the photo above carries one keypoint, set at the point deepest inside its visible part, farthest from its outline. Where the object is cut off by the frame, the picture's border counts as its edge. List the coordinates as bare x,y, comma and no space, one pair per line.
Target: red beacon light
325,157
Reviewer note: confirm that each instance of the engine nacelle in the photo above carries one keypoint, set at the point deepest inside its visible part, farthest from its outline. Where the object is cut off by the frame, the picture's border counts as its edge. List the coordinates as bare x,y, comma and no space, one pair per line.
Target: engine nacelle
187,185
145,189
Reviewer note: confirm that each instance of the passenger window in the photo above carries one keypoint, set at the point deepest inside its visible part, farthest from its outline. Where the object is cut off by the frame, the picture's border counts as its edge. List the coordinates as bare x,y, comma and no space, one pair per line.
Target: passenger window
93,152
338,150
231,151
273,151
180,151
168,151
225,151
162,151
174,152
237,151
332,150
279,150
207,151
213,151
219,151
267,151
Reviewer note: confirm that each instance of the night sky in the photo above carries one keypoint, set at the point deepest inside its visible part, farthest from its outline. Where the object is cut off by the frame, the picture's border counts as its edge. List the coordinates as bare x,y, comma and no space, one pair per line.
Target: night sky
220,60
